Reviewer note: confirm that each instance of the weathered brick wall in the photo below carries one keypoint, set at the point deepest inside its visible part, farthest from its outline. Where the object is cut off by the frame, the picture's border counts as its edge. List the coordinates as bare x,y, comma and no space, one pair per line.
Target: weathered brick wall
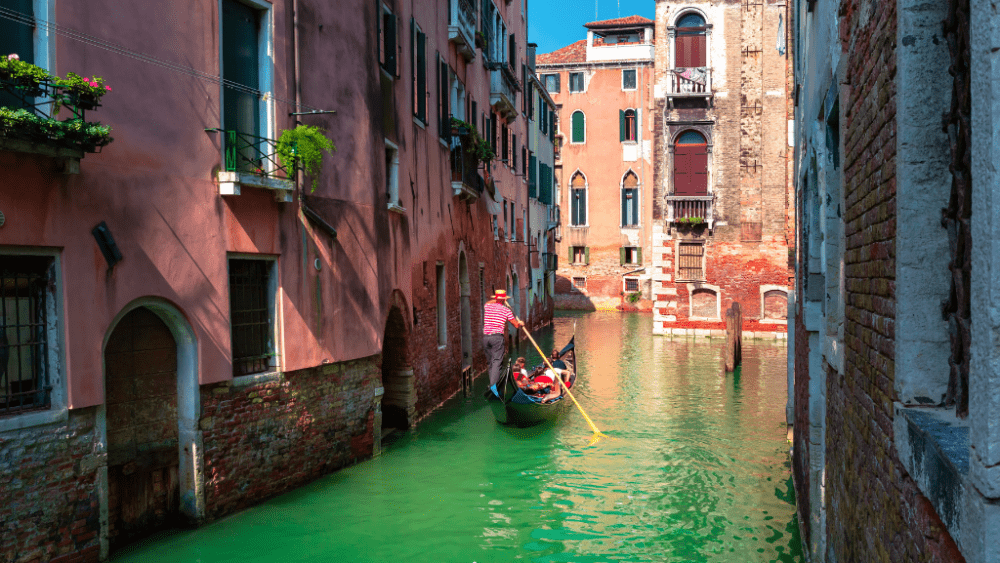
800,438
875,512
264,439
48,491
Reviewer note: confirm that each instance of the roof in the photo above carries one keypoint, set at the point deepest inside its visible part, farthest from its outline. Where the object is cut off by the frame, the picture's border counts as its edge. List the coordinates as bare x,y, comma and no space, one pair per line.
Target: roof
572,53
629,21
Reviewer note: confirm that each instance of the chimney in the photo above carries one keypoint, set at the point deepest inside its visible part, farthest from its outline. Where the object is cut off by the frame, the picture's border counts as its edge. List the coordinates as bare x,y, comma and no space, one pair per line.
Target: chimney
531,56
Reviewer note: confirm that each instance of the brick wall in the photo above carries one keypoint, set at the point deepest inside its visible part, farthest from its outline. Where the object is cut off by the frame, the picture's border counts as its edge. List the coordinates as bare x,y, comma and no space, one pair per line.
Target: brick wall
800,439
894,522
264,439
48,477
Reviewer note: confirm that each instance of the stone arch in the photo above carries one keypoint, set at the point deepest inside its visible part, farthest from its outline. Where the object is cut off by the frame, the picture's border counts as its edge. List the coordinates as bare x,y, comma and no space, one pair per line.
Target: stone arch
190,478
773,304
704,302
399,399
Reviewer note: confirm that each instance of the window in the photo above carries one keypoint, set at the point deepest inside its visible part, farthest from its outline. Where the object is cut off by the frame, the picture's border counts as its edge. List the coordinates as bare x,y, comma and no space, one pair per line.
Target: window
392,176
442,313
691,164
251,315
630,255
482,285
444,113
27,311
579,283
628,79
506,230
532,183
575,82
387,41
630,200
551,82
545,184
689,44
579,255
704,303
579,127
627,125
689,260
241,28
578,200
631,285
419,60
513,151
504,143
16,37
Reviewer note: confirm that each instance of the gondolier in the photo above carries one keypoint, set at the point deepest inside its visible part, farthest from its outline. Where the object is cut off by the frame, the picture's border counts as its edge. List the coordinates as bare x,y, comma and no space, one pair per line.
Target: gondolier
496,315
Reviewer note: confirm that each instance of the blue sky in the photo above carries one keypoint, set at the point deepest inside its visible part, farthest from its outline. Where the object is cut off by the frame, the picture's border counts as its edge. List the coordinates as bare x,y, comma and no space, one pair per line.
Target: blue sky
553,24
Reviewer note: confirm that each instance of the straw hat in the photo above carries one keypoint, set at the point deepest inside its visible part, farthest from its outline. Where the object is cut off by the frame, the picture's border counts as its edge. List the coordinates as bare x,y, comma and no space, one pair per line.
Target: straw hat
500,295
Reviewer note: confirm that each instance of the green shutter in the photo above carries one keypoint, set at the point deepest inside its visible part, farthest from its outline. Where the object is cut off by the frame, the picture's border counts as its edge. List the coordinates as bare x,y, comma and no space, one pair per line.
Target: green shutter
579,130
422,77
586,255
552,124
621,256
621,125
532,185
570,261
638,255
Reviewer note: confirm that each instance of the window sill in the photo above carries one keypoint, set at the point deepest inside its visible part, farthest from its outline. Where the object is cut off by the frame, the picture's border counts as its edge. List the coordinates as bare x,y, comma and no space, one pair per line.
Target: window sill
419,123
29,420
386,73
773,321
444,144
256,378
396,208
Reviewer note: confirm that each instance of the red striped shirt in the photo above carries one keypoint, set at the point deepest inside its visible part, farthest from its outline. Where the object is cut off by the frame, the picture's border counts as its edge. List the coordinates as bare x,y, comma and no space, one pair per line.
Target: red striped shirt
495,317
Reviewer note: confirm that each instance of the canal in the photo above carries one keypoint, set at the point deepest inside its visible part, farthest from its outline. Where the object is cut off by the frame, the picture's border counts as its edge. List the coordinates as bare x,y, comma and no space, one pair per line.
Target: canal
696,469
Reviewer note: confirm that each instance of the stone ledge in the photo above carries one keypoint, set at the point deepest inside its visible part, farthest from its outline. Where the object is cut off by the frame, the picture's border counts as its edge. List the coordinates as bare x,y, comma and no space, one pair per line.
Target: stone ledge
30,419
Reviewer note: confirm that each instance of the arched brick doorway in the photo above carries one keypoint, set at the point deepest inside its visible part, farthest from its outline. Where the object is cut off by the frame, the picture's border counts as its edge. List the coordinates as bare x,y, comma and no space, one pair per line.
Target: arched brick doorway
399,402
140,361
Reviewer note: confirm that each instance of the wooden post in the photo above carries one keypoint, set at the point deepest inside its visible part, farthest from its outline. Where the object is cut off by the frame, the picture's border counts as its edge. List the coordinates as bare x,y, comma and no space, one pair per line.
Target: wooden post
734,337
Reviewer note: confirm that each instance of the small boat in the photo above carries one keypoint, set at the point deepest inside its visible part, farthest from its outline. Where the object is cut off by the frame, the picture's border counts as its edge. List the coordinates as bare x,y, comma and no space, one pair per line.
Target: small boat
515,407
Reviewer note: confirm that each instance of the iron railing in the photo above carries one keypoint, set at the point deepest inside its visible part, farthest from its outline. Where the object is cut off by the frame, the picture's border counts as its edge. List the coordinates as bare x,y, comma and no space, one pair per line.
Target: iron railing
43,103
23,335
695,81
45,99
690,209
465,168
247,153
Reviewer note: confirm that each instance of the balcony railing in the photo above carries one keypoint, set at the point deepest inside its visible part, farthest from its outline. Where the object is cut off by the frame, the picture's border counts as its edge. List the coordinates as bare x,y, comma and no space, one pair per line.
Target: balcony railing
465,179
252,160
691,209
695,81
554,219
462,27
503,89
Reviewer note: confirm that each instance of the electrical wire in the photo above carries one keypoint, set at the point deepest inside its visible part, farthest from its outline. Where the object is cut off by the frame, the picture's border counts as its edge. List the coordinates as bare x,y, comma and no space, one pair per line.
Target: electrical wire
70,33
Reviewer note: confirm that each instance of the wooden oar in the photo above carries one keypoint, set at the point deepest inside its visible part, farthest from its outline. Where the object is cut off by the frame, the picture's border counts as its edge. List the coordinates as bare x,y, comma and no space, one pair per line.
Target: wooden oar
597,433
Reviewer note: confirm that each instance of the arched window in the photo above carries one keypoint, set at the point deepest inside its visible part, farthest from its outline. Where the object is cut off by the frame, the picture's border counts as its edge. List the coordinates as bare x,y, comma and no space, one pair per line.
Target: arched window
689,44
579,127
627,125
578,199
630,200
691,164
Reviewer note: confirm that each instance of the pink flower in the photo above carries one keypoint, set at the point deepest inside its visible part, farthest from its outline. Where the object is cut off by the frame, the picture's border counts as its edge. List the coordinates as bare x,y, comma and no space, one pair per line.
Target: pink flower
13,57
108,88
86,79
94,85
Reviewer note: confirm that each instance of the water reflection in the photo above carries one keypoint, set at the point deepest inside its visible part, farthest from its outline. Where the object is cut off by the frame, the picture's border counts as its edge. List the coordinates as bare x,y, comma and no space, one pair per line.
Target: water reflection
696,470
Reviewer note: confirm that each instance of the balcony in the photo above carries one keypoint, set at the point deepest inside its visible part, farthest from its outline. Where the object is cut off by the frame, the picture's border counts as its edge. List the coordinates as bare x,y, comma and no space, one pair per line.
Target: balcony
640,50
691,210
689,82
252,161
462,27
503,89
466,182
551,261
554,219
30,107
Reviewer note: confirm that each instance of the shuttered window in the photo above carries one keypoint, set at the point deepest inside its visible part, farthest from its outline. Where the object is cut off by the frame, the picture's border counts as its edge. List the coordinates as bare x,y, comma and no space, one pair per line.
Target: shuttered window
626,125
444,113
689,44
419,47
387,42
240,65
691,164
689,261
545,184
579,206
532,184
579,127
551,82
575,82
628,79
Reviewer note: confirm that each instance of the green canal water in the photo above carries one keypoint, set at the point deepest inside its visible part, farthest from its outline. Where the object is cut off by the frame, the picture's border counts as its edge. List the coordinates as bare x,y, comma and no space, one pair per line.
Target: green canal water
696,469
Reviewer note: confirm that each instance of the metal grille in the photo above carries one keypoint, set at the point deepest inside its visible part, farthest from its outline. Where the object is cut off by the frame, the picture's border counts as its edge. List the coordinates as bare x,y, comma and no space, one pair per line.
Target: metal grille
689,260
580,283
23,344
631,285
250,315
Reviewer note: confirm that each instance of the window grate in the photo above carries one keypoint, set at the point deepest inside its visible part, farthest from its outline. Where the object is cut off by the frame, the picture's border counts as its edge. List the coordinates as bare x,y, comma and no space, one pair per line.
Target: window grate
689,261
250,315
631,285
23,334
580,283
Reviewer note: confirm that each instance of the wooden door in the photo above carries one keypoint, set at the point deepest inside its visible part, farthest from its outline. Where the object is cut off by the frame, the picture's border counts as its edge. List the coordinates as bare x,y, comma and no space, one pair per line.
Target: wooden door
141,396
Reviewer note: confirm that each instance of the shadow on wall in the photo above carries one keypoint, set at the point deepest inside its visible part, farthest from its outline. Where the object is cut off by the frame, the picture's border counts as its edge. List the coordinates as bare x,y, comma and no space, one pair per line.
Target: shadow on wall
569,297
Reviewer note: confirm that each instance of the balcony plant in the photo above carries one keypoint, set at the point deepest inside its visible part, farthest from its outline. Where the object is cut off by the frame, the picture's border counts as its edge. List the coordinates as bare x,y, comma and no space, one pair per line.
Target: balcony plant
71,133
302,148
481,41
26,76
692,221
83,92
473,143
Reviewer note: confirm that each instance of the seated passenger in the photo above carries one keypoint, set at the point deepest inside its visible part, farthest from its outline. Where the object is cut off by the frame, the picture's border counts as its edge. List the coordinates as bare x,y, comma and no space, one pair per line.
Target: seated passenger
525,382
555,361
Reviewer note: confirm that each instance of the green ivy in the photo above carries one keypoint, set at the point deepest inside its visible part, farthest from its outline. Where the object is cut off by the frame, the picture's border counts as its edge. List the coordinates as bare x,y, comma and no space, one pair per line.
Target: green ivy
302,149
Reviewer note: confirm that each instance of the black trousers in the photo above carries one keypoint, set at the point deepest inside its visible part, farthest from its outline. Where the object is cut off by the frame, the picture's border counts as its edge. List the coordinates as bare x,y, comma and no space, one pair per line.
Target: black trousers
495,349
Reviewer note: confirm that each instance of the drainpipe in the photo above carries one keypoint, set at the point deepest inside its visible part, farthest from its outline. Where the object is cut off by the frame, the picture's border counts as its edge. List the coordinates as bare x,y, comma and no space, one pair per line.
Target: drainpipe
295,76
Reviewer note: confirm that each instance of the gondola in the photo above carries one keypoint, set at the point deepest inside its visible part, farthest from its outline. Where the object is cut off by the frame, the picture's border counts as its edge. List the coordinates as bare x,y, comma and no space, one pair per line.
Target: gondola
515,407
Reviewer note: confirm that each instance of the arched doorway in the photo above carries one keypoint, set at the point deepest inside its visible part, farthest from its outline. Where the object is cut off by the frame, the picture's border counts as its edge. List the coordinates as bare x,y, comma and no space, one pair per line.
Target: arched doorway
464,291
141,390
400,399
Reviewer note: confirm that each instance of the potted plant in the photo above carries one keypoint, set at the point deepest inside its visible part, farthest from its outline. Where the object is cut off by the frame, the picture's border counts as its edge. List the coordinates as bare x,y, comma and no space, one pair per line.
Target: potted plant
481,40
83,92
459,127
26,76
302,148
690,221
